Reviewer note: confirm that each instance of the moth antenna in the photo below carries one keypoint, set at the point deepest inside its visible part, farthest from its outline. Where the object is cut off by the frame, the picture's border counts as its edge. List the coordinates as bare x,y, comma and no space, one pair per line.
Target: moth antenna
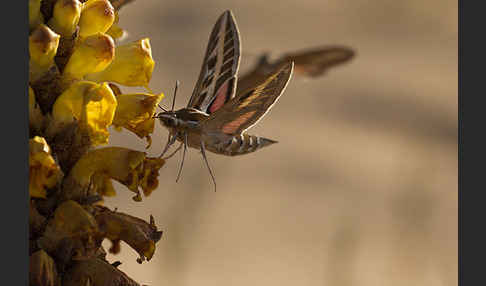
203,152
175,93
183,157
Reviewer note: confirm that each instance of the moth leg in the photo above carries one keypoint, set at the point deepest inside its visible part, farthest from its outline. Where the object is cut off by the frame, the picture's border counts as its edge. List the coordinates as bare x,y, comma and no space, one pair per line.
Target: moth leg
183,156
173,153
203,152
170,141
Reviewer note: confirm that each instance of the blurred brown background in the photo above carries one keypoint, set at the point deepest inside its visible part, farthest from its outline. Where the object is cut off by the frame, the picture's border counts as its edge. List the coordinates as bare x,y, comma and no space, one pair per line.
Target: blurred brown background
361,189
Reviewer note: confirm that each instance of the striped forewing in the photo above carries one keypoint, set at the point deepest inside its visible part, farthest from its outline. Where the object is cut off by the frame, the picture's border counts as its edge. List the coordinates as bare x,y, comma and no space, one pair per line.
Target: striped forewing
217,80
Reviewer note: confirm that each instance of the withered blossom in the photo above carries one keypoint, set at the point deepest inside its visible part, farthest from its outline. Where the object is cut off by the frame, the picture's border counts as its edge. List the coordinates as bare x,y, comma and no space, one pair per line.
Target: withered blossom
137,233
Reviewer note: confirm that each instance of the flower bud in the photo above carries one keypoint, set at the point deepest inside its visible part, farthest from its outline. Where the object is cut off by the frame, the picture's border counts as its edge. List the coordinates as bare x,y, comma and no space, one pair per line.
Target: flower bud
35,15
43,44
132,66
92,54
92,105
97,16
65,17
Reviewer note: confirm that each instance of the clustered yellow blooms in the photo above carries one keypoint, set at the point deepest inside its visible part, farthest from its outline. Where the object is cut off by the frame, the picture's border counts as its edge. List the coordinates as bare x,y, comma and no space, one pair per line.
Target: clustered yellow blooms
94,59
74,65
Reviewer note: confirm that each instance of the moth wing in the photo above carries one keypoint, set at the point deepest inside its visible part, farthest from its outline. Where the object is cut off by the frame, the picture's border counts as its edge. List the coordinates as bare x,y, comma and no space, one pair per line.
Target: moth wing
257,75
217,80
246,109
315,62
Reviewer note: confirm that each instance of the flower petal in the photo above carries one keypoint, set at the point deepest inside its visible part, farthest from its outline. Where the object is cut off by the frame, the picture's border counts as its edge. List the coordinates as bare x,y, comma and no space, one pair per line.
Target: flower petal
132,66
126,166
65,17
92,104
97,16
91,55
44,173
135,112
43,44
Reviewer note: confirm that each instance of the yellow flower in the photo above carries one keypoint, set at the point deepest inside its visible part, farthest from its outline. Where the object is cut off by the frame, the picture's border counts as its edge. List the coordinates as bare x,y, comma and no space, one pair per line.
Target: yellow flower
35,15
92,104
43,44
97,16
132,66
135,112
44,173
131,168
65,17
92,54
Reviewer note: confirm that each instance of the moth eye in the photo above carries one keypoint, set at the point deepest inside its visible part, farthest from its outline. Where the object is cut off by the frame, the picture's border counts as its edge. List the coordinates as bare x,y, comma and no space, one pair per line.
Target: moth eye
172,121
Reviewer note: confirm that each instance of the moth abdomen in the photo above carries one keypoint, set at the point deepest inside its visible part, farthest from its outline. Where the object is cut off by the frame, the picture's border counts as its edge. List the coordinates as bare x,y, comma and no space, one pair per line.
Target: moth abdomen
244,144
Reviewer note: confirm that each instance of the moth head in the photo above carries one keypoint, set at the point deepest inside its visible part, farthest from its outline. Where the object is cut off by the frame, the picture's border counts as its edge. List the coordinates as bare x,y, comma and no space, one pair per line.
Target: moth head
168,118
